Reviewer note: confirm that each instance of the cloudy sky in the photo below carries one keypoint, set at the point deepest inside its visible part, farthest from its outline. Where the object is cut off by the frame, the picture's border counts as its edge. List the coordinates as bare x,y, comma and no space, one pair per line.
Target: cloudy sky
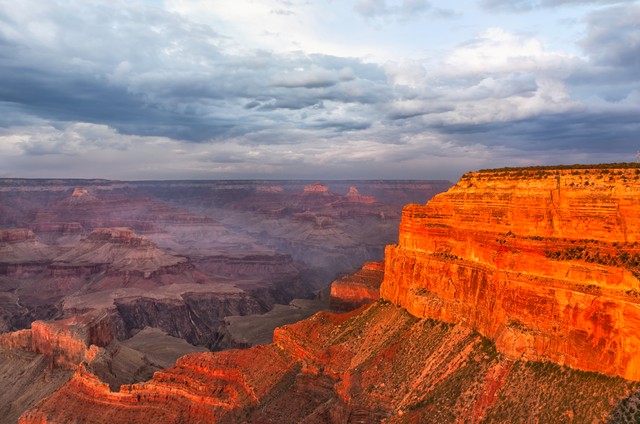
316,89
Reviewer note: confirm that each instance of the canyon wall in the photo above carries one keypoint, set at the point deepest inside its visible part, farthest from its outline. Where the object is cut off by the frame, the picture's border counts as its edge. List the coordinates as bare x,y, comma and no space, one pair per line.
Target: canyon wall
542,261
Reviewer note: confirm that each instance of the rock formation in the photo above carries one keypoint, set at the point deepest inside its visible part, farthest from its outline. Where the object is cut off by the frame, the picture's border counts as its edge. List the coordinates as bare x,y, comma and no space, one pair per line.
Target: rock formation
354,290
65,343
544,262
316,188
379,364
80,192
122,251
354,196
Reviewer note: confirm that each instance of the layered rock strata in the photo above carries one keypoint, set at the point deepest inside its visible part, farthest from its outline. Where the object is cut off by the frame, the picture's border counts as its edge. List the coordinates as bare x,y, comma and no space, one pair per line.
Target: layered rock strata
378,364
355,290
65,343
541,261
506,253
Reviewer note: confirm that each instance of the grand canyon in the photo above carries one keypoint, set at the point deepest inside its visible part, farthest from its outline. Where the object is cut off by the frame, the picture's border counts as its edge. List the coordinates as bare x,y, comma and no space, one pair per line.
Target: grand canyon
511,296
129,276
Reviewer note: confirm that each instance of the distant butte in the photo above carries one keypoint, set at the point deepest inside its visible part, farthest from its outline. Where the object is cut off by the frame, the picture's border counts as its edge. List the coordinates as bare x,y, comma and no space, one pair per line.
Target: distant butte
316,188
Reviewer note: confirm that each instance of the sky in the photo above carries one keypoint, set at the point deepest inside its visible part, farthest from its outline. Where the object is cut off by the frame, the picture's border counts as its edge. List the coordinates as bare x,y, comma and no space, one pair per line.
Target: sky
314,89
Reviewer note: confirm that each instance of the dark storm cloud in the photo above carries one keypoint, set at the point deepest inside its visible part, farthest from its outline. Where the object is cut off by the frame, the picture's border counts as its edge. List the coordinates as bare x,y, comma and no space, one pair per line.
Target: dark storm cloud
341,126
144,71
613,39
587,132
62,71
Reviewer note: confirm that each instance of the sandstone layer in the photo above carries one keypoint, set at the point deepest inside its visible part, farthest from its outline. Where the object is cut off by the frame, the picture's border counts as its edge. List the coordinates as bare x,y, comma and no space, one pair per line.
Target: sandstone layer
542,261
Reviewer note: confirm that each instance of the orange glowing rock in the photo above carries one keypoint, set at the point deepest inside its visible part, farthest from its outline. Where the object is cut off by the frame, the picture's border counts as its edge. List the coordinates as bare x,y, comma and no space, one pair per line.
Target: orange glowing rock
355,290
66,342
542,262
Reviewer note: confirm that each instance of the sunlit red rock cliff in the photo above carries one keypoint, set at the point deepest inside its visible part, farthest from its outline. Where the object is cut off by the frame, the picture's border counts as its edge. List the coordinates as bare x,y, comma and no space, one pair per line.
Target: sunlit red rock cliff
544,262
513,297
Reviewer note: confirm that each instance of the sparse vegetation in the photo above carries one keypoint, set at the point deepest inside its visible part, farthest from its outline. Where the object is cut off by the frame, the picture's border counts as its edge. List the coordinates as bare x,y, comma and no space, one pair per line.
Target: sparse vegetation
552,171
546,392
621,257
583,253
603,166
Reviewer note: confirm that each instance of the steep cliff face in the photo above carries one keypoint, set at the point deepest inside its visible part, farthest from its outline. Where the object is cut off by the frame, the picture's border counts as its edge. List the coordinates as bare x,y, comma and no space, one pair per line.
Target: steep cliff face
65,343
195,317
544,262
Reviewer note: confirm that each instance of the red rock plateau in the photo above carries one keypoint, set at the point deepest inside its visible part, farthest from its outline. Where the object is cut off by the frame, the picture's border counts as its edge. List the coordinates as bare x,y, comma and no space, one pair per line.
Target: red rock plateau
377,364
505,301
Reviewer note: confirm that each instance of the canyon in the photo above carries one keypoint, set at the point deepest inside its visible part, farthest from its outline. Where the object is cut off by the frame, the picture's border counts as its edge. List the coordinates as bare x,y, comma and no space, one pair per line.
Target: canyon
511,297
126,277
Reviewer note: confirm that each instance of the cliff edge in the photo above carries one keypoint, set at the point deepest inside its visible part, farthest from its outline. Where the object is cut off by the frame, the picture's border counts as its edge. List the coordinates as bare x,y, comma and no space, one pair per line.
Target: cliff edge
543,261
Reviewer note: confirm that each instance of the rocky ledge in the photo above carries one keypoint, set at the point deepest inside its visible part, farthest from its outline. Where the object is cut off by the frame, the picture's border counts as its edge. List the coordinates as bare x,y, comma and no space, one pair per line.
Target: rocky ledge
65,343
378,364
355,290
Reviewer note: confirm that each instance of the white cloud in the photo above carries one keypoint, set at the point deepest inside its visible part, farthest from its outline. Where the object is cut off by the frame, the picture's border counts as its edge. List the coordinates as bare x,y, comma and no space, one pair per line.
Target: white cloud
275,25
497,50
